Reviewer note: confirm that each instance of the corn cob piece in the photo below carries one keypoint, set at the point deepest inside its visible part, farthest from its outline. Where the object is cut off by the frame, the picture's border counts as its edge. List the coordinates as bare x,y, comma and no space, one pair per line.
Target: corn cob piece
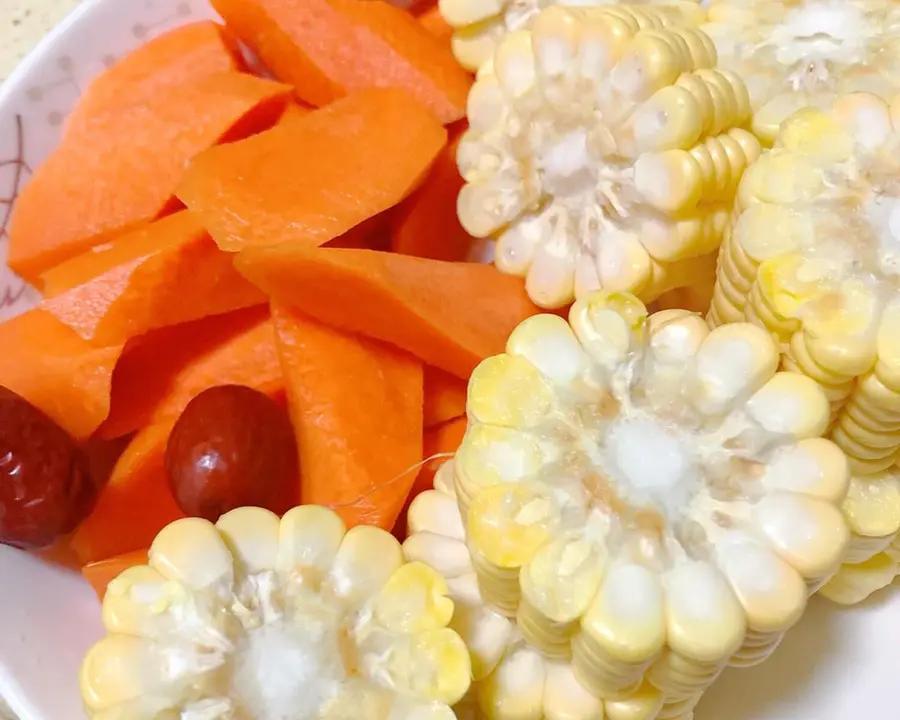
643,500
262,618
812,257
479,27
603,151
802,53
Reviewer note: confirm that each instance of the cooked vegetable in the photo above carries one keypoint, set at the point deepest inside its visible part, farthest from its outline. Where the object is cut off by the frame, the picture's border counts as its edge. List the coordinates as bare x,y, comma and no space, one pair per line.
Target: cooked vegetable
56,371
167,273
811,258
127,162
314,178
450,315
445,397
45,486
641,492
356,406
163,371
803,54
604,150
481,27
380,46
100,574
232,446
259,618
429,16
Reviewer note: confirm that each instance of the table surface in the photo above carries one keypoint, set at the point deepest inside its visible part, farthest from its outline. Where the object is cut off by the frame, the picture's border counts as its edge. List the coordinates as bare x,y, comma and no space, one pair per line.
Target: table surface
23,23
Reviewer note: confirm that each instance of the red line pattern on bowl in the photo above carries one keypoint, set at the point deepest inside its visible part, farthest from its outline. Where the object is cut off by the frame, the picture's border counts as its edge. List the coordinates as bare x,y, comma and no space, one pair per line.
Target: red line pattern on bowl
12,289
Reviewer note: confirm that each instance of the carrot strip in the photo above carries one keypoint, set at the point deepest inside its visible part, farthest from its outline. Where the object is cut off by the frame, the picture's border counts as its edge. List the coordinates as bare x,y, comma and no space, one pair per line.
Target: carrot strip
439,440
159,375
315,178
356,406
100,574
426,224
430,18
175,274
450,315
445,397
330,48
120,169
180,56
47,363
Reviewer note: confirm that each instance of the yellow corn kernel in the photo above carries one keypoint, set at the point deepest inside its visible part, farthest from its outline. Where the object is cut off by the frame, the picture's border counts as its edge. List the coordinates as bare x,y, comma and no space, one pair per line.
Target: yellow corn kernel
604,151
855,582
811,257
786,72
226,617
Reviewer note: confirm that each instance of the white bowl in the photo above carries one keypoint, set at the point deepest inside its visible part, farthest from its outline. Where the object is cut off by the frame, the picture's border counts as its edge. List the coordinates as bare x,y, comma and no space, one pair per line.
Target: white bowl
837,664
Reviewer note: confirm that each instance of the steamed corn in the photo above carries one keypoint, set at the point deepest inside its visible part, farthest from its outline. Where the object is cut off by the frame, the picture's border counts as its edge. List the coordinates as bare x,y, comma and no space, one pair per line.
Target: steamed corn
480,26
802,53
604,150
257,618
637,502
812,256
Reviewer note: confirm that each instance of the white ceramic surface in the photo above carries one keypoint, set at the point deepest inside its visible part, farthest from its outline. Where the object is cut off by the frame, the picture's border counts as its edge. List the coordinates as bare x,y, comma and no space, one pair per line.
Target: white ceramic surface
836,665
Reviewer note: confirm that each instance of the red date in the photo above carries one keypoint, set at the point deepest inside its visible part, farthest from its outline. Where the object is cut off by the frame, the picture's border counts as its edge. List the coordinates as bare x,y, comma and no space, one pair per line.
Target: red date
232,446
46,488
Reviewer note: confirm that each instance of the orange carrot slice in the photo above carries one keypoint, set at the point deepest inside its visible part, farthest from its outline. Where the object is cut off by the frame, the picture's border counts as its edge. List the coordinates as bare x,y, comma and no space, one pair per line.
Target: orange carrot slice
159,375
356,406
445,397
426,224
58,372
180,56
134,505
317,177
330,48
100,574
175,273
429,16
450,315
121,168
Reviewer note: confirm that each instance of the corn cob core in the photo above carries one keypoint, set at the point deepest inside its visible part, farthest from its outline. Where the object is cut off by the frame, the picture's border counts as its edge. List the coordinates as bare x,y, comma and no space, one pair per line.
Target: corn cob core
642,498
480,26
265,619
802,53
812,256
603,151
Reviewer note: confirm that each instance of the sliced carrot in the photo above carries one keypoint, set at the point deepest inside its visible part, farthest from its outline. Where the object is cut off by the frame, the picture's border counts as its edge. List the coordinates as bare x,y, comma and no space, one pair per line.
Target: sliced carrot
134,505
429,16
121,168
100,574
158,376
47,363
356,406
445,397
315,178
294,111
426,224
441,440
450,315
175,274
330,48
179,56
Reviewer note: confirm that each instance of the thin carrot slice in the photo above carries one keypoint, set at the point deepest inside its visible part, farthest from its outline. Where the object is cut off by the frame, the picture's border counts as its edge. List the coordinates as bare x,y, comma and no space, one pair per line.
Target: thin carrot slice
356,406
121,168
134,505
175,274
450,315
294,111
330,48
100,574
315,178
426,224
158,376
180,56
430,18
445,397
441,441
58,372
